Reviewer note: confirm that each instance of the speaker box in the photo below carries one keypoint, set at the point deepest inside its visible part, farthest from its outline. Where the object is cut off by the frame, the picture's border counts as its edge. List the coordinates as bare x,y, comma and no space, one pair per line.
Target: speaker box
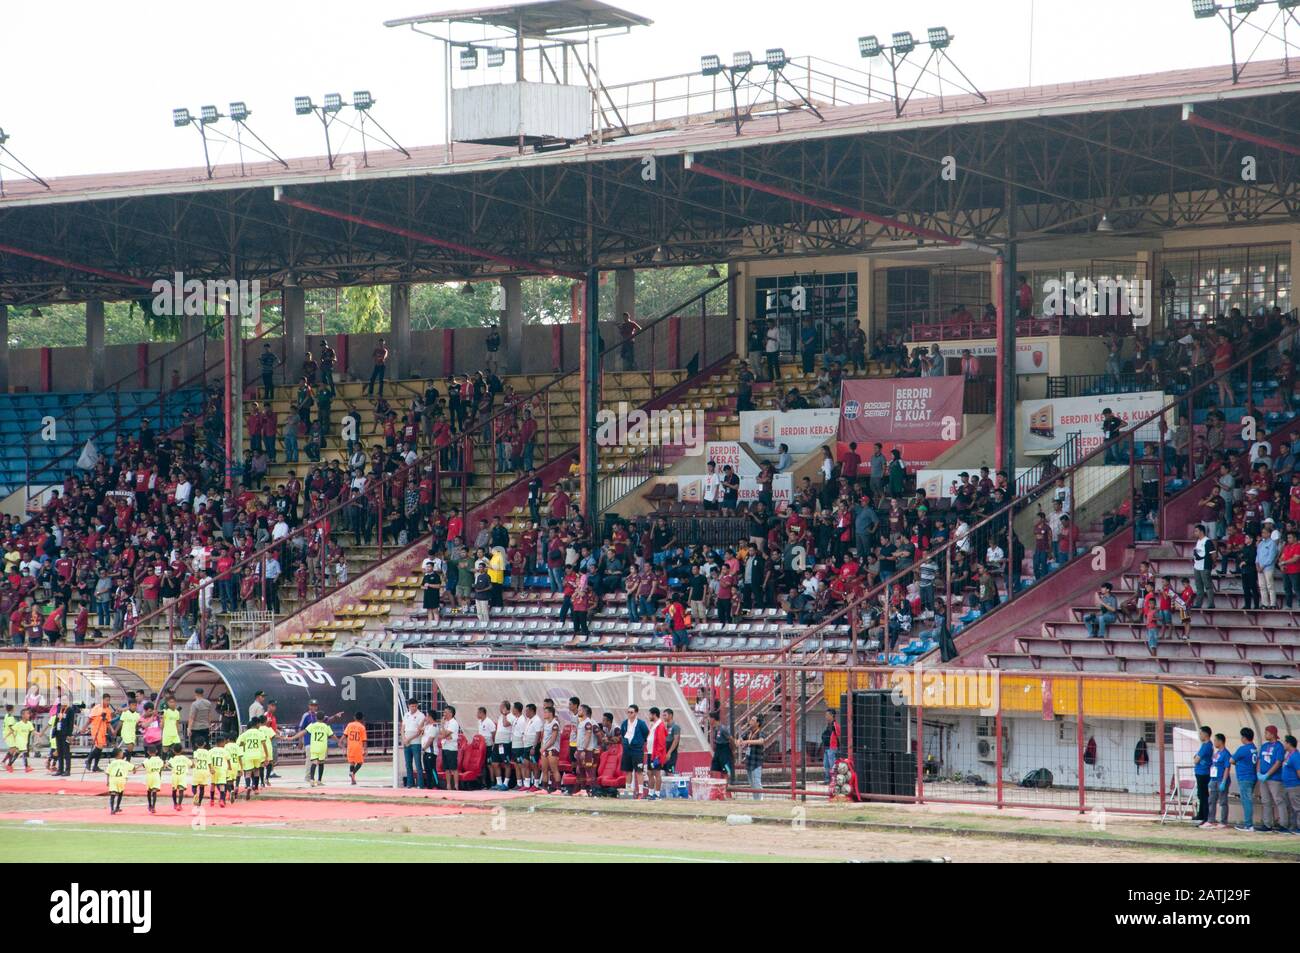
902,774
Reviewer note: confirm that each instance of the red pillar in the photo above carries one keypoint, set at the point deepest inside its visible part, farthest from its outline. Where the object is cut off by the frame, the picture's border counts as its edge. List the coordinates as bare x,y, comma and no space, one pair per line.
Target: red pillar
1000,461
448,352
557,348
47,370
675,341
341,353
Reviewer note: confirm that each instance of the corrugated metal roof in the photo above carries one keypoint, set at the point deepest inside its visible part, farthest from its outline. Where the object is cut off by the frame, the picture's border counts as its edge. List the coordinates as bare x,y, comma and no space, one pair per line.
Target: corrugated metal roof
1204,84
539,18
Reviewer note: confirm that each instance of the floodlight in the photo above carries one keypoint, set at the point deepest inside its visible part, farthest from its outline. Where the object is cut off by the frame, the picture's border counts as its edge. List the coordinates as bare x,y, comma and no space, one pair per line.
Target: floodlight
1204,8
710,65
180,117
333,103
868,46
776,58
938,37
467,289
742,61
240,111
362,100
469,58
496,58
903,42
302,105
208,115
1246,6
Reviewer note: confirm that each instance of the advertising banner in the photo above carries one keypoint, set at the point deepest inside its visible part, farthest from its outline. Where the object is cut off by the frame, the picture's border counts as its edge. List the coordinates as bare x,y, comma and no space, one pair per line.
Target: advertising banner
1032,356
731,453
690,489
803,431
1046,424
901,409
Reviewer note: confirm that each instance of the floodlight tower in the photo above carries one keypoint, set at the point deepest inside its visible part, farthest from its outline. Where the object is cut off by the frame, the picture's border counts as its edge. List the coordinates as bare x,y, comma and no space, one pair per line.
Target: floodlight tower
896,52
1234,16
208,115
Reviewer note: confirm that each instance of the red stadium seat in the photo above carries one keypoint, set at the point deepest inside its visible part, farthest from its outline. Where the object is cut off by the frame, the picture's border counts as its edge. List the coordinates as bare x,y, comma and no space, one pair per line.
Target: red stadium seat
566,753
472,758
609,774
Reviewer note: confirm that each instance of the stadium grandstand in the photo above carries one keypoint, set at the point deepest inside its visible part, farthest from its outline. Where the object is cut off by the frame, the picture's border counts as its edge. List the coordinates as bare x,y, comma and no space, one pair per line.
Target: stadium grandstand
989,402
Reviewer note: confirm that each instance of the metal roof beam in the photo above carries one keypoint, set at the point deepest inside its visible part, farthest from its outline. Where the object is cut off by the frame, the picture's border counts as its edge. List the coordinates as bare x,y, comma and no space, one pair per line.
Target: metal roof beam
423,239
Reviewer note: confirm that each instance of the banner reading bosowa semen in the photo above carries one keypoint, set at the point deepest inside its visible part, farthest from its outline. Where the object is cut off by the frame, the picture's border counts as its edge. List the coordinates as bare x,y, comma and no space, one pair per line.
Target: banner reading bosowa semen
902,409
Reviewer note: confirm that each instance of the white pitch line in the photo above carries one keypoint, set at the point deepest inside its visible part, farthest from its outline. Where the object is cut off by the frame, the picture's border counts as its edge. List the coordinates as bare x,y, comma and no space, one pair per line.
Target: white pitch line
371,841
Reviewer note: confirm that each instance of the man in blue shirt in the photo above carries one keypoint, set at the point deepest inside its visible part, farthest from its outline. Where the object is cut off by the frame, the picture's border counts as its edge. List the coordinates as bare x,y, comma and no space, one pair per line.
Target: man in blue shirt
1291,781
1246,757
1271,794
634,732
1220,781
1201,769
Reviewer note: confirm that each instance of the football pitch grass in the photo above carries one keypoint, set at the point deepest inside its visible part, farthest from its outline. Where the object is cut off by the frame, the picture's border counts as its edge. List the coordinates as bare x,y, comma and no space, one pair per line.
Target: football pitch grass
59,843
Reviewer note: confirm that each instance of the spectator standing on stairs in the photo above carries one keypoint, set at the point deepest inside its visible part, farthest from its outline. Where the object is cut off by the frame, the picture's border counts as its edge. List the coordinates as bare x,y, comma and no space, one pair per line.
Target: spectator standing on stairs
379,370
268,363
1202,561
627,330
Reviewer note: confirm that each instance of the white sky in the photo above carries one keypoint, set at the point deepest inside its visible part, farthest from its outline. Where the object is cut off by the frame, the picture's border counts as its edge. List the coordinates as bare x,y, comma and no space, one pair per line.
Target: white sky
88,86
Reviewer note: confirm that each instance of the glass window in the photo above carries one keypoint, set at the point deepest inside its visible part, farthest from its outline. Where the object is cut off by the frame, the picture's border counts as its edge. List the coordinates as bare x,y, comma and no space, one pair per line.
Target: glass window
1204,283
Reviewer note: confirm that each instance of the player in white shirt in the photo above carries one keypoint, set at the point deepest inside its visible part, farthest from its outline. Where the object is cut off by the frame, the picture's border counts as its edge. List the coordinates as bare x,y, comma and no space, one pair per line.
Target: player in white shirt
532,734
520,752
550,742
449,737
499,752
584,755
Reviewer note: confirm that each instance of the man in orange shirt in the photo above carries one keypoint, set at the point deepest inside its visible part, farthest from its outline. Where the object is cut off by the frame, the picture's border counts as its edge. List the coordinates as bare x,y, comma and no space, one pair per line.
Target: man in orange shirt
100,718
355,735
380,368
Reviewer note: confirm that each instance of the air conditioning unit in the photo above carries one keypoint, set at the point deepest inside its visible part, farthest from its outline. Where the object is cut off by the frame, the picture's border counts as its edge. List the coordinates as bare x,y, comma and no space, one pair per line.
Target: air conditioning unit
986,744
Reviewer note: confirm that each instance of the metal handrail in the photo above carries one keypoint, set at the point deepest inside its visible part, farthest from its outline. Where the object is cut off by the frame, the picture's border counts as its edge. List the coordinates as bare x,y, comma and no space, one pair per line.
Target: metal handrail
113,425
429,457
1008,511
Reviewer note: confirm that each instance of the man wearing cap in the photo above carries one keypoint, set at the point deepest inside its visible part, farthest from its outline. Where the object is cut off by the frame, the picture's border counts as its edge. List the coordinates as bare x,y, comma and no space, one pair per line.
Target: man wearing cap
258,706
1272,795
1265,562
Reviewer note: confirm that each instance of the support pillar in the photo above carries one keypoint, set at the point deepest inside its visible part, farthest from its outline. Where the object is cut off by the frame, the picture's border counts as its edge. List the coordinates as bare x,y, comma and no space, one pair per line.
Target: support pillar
399,335
94,345
4,349
625,293
589,372
293,345
192,355
1006,389
512,325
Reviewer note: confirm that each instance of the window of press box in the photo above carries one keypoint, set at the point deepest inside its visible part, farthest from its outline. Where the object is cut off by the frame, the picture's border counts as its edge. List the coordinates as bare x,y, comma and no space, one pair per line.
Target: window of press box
830,300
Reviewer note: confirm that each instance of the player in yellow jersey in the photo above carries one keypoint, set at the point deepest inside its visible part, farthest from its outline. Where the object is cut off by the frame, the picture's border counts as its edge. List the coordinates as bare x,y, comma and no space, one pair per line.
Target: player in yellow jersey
234,768
19,736
119,769
180,767
217,761
269,736
201,777
318,735
128,722
153,769
171,726
252,753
